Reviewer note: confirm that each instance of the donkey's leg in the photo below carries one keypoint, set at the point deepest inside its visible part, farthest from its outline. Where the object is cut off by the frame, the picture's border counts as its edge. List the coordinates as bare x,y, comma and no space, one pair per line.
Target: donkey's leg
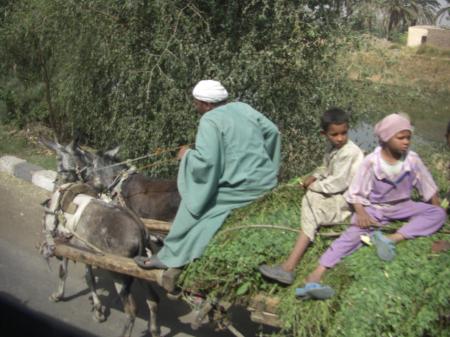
152,300
123,287
62,274
99,310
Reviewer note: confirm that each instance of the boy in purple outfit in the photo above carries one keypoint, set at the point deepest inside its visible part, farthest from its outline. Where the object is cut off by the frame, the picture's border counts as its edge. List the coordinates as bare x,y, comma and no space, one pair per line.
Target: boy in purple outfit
380,193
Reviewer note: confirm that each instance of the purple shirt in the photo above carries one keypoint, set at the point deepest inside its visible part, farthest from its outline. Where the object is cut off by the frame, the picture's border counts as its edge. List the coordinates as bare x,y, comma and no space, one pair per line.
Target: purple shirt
371,185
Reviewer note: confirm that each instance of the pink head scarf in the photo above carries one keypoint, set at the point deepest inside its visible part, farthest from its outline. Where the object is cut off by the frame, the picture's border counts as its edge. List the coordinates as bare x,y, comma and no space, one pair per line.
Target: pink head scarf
390,125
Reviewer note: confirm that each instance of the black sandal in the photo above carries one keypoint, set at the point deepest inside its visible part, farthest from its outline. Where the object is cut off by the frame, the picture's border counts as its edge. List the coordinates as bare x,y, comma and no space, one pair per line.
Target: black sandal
147,263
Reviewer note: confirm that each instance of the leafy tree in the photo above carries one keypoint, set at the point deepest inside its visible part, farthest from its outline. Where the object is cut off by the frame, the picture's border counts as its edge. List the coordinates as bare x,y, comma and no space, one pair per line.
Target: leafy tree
120,72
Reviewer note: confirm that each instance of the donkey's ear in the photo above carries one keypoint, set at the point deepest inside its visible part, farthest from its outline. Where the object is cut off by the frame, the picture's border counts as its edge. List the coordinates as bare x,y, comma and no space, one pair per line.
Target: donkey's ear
113,152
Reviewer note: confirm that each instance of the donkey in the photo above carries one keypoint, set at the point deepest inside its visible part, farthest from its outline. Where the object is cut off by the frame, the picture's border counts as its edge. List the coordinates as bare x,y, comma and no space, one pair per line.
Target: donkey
73,164
148,197
95,225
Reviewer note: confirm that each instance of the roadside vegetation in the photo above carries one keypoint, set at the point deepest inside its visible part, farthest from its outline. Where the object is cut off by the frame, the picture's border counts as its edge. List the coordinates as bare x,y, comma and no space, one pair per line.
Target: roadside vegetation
391,77
23,143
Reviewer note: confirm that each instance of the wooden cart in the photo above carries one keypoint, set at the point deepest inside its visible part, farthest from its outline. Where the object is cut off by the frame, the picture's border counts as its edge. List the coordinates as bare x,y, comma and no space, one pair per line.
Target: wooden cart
262,309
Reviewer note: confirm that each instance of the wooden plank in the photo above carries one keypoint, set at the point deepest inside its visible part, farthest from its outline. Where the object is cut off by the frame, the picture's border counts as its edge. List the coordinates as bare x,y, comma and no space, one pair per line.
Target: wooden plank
262,302
156,225
165,278
265,318
263,310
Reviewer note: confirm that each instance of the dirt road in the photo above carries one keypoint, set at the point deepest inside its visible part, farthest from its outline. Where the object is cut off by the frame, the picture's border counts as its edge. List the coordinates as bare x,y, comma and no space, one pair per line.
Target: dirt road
26,282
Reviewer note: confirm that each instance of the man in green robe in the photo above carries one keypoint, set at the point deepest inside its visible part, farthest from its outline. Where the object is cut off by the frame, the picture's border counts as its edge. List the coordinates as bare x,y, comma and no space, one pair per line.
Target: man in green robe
235,161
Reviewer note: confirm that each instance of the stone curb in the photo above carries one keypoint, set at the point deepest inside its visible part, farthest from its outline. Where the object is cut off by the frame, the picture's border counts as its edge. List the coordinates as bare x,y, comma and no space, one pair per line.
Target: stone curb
23,170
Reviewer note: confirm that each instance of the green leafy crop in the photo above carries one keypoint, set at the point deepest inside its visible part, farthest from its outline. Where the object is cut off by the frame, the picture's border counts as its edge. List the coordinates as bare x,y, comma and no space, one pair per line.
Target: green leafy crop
408,296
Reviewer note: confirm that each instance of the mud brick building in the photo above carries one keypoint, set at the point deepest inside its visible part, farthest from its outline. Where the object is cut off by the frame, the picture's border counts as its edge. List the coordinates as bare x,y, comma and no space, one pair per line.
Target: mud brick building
429,35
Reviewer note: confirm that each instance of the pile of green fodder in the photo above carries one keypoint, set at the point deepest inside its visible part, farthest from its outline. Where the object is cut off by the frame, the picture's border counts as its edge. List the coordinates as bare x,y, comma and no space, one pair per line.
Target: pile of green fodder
408,296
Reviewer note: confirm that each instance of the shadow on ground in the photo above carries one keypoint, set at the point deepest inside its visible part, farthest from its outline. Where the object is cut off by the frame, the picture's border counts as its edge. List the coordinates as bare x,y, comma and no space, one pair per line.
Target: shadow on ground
17,320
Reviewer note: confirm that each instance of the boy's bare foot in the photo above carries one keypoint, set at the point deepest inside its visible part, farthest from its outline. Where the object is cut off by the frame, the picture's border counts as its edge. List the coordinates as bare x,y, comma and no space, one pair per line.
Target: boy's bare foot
316,275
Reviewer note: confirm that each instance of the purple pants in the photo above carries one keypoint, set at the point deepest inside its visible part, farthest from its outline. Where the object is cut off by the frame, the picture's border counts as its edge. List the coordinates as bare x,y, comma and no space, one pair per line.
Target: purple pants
424,220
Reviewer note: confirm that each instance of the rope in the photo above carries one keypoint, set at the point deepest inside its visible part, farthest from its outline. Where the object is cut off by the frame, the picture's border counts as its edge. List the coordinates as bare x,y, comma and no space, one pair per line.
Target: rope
159,162
328,234
90,245
123,175
149,155
62,221
260,226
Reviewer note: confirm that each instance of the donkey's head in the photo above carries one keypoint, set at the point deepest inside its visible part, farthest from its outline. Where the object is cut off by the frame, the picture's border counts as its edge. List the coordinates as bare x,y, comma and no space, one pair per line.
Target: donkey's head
73,164
106,169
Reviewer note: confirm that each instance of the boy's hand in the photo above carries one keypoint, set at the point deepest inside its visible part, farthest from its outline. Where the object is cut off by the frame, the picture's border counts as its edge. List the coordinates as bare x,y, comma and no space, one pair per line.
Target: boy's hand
308,181
435,200
363,219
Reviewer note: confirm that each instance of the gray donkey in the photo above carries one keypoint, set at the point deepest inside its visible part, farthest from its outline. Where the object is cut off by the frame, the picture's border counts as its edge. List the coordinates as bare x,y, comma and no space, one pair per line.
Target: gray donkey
148,197
94,225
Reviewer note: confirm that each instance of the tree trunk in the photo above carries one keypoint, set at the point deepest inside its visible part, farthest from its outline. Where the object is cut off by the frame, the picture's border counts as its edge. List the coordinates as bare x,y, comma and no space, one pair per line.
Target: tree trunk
48,96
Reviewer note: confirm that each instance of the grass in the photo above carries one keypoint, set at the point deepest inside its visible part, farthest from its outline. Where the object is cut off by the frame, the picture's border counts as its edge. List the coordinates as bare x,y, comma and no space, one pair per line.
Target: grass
433,52
23,144
429,110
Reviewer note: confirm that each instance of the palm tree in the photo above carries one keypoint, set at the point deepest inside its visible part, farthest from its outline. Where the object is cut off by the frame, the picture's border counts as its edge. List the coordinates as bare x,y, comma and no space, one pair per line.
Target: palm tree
396,13
441,14
401,13
426,11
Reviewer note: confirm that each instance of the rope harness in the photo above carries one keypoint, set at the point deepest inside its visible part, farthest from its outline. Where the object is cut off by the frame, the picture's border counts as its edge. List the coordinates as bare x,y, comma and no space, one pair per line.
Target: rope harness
128,162
60,222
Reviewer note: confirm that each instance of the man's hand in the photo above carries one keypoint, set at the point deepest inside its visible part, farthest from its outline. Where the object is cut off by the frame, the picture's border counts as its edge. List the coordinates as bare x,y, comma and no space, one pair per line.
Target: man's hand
308,181
182,151
363,219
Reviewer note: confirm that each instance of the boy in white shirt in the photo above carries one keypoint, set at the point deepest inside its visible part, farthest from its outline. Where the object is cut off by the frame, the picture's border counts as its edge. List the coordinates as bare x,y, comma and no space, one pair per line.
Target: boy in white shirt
323,202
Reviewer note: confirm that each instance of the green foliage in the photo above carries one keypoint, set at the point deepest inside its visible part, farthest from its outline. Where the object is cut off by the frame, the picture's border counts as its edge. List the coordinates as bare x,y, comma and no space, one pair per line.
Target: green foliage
24,146
120,72
406,297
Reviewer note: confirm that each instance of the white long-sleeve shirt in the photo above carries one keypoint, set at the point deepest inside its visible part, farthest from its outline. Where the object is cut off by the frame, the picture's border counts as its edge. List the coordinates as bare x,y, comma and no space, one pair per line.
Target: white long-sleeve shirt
339,167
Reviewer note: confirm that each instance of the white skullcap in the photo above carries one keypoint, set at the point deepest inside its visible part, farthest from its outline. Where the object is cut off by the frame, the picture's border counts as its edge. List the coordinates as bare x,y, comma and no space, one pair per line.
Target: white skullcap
210,91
